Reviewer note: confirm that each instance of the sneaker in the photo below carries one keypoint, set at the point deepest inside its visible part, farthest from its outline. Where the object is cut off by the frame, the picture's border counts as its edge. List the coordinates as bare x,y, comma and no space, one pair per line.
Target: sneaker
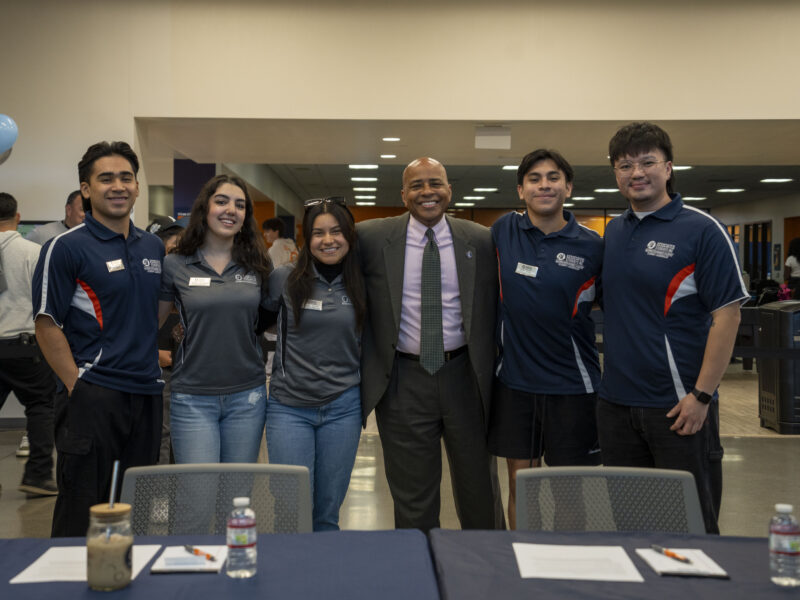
24,448
45,487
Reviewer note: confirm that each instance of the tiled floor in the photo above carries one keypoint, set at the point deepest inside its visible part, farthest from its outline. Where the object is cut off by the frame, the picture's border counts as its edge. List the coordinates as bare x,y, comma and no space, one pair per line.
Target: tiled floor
760,469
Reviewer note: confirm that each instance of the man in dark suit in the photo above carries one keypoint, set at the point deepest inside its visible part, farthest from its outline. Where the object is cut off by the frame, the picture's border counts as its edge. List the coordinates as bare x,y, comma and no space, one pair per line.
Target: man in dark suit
428,351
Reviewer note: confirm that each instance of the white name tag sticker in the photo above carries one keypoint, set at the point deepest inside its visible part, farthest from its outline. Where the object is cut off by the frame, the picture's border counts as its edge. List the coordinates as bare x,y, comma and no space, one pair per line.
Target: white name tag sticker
199,281
527,270
313,305
115,265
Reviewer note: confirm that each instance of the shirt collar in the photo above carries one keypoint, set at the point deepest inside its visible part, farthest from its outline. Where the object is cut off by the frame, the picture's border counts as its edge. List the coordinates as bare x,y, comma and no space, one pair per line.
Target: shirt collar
418,231
569,230
104,233
666,213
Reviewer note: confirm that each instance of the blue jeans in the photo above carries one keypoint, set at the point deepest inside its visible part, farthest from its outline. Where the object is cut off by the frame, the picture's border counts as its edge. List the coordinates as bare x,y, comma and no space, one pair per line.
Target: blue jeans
325,440
218,429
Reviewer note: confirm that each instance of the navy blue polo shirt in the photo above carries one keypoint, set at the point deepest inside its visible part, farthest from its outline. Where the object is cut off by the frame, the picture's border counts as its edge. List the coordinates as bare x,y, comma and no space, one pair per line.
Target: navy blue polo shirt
102,290
547,288
662,278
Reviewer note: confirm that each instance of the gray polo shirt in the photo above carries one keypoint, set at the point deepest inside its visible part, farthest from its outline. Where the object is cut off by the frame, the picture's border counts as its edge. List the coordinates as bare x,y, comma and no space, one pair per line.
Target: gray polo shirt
219,353
46,232
318,361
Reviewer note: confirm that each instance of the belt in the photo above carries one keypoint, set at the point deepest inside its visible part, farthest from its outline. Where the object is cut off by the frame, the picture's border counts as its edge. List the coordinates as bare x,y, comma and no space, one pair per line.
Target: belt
448,355
23,339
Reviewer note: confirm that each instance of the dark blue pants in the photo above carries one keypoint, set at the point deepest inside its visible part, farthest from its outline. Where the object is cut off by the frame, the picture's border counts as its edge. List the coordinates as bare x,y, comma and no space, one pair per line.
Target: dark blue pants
640,437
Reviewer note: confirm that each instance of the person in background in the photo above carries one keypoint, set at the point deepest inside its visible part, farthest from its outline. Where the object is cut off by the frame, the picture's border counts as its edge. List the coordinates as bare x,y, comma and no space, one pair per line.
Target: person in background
216,277
792,266
95,305
73,216
547,372
22,368
169,231
282,250
314,407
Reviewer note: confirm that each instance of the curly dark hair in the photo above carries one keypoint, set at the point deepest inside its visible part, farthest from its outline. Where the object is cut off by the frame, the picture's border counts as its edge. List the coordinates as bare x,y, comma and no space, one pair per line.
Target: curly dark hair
301,278
794,248
249,250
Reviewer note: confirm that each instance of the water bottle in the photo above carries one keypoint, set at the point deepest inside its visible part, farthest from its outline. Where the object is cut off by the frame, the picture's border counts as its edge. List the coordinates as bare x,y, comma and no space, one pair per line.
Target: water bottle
784,547
241,540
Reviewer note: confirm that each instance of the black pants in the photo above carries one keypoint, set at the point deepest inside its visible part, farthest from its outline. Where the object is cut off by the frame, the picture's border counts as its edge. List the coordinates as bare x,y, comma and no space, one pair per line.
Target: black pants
640,437
34,383
94,427
416,413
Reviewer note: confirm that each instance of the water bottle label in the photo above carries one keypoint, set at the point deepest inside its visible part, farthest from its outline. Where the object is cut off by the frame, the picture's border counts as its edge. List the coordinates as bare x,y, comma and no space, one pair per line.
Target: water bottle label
784,543
241,533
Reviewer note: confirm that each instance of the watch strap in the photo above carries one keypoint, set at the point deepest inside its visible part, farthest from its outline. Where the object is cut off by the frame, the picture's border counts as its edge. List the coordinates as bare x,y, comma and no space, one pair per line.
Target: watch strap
701,396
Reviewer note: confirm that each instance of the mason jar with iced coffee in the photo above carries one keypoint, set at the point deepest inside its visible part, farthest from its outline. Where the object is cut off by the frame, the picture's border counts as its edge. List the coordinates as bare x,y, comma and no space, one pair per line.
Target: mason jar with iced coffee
109,544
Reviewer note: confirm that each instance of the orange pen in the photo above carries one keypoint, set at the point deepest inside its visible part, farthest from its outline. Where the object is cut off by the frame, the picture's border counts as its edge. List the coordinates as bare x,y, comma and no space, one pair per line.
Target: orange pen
670,553
196,552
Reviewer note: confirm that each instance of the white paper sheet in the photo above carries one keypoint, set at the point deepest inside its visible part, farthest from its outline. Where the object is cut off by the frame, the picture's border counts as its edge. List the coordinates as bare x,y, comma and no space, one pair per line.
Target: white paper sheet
589,563
68,563
701,564
175,559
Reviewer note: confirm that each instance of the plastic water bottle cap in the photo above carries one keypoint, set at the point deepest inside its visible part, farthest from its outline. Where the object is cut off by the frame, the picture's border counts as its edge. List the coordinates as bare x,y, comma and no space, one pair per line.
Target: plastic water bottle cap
781,508
245,501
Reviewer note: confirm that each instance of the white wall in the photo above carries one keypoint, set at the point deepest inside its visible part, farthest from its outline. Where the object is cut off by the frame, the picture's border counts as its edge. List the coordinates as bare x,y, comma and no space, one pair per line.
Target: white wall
72,73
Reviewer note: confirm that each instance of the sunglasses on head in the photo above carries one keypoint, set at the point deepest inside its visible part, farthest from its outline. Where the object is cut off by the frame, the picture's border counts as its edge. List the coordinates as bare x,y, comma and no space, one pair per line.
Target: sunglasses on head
340,200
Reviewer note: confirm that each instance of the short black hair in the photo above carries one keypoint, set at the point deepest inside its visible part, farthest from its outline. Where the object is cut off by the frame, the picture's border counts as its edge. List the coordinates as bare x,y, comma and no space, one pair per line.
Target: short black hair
640,137
72,196
539,155
275,224
102,149
8,206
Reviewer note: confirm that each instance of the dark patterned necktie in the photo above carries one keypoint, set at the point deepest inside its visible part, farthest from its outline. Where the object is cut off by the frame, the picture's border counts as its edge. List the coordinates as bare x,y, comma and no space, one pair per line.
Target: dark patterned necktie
431,343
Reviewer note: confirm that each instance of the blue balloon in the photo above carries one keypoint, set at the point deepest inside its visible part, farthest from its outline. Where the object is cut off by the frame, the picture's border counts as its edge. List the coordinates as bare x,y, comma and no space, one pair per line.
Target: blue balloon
8,133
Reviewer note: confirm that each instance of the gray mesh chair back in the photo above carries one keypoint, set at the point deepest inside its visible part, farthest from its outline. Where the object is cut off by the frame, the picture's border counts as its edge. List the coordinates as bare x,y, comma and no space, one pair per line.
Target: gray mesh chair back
197,498
607,499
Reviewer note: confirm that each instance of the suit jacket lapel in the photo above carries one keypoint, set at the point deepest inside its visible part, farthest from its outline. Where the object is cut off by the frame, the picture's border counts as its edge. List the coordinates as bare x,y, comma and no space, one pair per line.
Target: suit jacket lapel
465,270
394,256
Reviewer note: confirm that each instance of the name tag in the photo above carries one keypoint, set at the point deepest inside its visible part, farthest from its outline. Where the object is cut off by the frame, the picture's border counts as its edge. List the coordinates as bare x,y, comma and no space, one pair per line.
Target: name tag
313,305
199,281
527,270
115,265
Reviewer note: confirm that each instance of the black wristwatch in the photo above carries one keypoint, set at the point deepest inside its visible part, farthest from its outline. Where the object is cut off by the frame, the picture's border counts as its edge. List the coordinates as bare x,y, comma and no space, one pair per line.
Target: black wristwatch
701,396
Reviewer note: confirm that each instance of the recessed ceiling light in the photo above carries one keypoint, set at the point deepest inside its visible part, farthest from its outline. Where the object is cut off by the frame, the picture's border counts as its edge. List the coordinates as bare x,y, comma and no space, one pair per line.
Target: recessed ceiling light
474,197
484,189
365,197
681,167
388,155
365,204
364,189
510,167
363,179
693,198
391,139
730,190
777,180
568,204
465,204
614,214
363,166
583,198
606,190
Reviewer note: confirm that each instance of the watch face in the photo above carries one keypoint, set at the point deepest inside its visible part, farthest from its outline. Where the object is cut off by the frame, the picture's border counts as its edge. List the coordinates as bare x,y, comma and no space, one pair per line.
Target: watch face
701,396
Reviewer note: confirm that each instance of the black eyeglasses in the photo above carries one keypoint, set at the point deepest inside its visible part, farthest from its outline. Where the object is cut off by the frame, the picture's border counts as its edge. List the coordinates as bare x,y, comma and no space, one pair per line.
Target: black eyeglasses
340,200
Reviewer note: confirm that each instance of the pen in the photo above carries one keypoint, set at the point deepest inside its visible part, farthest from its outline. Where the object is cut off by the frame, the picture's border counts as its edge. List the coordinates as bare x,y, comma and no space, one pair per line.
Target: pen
670,553
196,552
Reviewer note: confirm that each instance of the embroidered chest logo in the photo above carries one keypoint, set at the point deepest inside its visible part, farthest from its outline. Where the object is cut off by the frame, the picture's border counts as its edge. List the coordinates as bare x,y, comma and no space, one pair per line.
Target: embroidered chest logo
152,265
659,249
249,278
570,261
346,301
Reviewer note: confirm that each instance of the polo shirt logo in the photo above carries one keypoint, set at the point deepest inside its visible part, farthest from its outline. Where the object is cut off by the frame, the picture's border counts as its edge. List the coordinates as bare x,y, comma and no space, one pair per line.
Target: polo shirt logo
659,249
570,261
346,301
249,278
152,265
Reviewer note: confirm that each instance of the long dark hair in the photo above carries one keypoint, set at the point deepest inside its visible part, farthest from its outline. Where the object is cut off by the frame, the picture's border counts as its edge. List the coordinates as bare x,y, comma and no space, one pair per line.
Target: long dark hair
248,250
794,248
302,277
